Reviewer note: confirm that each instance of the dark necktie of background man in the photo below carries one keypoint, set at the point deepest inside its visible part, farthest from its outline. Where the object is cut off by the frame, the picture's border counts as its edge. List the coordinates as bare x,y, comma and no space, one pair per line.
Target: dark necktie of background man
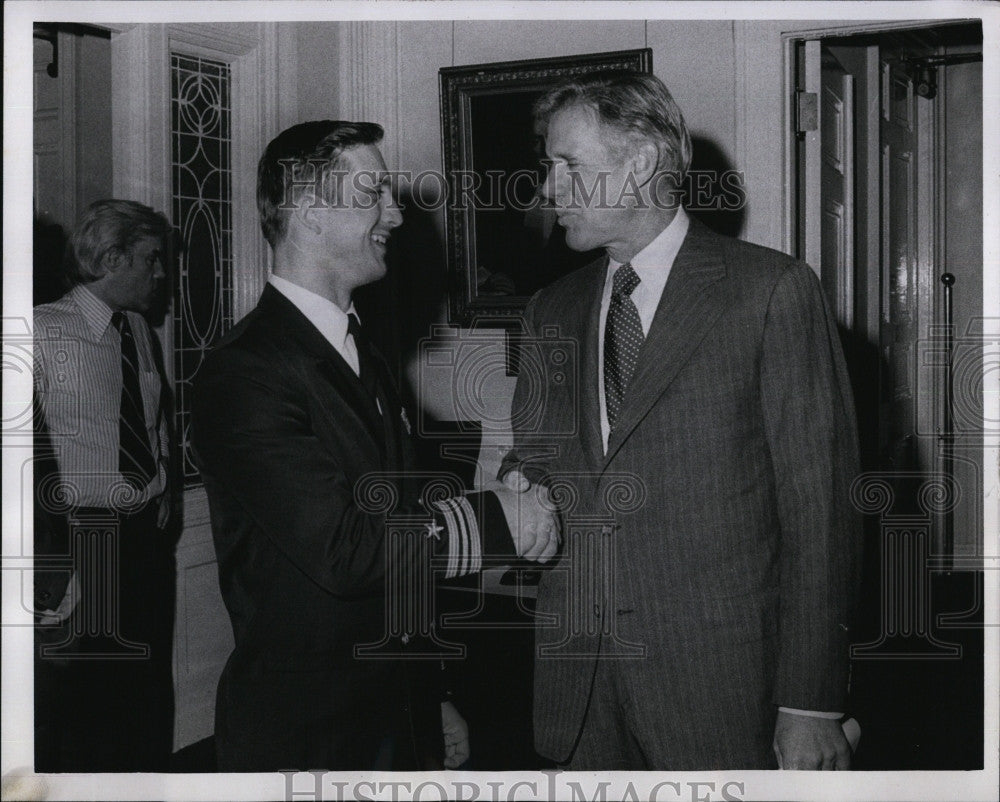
622,340
135,457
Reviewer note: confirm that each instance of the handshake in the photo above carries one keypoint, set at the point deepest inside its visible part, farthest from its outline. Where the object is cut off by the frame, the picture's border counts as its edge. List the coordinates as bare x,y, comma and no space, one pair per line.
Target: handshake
532,517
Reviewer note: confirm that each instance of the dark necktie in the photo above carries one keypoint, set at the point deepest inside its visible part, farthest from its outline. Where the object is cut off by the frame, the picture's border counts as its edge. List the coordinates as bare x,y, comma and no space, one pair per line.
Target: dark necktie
135,458
368,370
622,339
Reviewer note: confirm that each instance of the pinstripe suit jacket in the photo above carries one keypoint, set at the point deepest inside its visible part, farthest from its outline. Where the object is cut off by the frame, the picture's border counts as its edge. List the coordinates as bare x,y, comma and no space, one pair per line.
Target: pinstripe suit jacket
713,549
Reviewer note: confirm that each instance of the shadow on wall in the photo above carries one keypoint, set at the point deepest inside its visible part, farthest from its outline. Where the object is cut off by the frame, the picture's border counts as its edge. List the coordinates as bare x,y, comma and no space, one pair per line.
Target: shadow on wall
715,192
49,252
412,297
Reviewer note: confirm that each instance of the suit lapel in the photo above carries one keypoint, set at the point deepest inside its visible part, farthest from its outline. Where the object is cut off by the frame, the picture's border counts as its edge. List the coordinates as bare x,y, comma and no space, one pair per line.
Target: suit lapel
391,418
586,338
692,301
330,364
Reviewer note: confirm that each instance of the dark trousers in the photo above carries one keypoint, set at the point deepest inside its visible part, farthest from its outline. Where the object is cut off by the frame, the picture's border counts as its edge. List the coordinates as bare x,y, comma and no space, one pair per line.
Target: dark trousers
626,729
103,679
608,740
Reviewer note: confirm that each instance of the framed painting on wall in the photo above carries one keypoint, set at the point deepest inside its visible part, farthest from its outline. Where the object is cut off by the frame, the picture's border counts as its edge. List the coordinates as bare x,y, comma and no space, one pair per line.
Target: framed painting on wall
502,244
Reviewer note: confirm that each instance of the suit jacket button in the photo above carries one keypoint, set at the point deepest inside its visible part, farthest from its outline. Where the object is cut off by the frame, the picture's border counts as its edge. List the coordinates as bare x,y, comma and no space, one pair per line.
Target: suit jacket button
405,639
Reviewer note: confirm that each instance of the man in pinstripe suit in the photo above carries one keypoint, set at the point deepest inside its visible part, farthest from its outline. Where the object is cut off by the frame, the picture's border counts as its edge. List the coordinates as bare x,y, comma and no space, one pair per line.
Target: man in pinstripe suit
715,634
104,691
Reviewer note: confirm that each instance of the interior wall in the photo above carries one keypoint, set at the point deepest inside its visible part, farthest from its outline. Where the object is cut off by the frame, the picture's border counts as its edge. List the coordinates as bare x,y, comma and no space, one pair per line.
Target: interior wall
93,90
319,71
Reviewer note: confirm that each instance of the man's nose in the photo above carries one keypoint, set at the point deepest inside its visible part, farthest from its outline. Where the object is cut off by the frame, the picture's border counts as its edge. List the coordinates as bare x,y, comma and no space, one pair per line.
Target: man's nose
392,213
549,189
159,271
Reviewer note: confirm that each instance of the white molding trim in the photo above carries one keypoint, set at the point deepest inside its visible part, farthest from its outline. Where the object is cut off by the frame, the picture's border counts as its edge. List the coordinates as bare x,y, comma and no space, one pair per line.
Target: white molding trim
69,111
140,117
880,26
282,59
372,80
761,120
141,139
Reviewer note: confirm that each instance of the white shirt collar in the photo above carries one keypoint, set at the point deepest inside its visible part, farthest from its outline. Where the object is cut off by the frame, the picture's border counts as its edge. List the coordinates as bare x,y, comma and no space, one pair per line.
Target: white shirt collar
653,265
95,312
323,313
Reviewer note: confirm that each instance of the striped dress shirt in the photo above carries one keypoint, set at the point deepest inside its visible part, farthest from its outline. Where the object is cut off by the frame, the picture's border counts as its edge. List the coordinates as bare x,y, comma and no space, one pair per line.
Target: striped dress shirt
78,379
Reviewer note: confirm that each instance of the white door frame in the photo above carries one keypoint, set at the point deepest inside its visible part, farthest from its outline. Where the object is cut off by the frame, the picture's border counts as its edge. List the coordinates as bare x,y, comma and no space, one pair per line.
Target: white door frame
140,59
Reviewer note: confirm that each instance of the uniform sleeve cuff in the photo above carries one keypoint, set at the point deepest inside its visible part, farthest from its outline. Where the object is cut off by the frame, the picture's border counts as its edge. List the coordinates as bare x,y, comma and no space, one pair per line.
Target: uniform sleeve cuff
477,531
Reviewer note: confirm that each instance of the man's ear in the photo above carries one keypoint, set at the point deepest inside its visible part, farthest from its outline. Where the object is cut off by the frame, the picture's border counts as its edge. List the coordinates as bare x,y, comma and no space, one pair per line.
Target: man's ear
113,258
305,214
644,162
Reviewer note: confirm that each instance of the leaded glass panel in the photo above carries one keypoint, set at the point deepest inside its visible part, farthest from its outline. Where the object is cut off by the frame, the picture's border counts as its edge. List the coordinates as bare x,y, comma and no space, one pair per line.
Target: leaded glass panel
202,211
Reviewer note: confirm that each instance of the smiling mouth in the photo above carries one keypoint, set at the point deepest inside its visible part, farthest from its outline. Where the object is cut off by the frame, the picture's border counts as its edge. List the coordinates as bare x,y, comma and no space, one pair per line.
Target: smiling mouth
379,239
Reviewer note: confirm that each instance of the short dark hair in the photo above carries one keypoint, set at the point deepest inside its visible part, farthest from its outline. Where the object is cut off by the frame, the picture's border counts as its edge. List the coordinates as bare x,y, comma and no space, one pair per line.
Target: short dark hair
106,225
290,156
632,104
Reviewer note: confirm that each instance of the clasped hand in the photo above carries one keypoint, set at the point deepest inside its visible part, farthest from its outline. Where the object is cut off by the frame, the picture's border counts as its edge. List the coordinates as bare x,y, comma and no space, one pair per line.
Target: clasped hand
531,517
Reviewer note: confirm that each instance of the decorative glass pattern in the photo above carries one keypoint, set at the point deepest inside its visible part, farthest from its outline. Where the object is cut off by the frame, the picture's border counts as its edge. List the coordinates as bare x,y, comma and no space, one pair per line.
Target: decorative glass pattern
202,211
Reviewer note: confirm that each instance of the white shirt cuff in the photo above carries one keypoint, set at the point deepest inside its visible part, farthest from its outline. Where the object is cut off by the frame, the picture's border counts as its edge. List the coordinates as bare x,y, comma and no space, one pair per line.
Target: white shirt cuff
813,713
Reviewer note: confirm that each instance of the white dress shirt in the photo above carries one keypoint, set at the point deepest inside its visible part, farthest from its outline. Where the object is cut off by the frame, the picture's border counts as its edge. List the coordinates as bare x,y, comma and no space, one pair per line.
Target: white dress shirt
325,315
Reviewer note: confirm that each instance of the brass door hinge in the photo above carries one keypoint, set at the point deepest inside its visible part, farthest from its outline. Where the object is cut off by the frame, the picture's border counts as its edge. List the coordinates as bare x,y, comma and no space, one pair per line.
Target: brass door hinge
806,111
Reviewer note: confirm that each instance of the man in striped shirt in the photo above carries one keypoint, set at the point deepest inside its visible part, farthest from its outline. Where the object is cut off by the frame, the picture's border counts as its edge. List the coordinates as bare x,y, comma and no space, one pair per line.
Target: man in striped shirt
105,606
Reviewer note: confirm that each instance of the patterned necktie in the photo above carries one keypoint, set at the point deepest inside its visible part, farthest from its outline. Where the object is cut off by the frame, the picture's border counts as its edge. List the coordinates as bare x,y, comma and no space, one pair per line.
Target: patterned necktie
367,365
622,339
135,458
